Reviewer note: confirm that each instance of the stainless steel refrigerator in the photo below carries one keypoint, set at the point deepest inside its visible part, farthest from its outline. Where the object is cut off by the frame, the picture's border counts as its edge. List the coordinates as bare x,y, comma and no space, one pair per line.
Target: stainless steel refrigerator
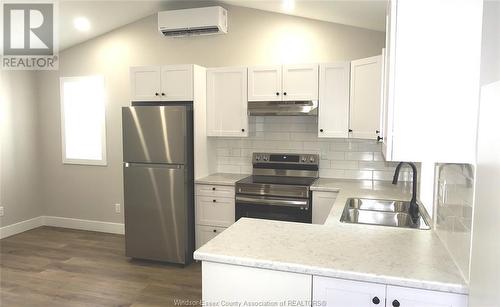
158,182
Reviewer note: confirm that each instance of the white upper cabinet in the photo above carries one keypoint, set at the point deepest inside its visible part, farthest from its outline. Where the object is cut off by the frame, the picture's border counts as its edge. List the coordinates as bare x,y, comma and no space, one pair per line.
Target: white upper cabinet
161,83
432,78
283,83
300,82
177,83
365,99
227,102
264,83
333,114
145,83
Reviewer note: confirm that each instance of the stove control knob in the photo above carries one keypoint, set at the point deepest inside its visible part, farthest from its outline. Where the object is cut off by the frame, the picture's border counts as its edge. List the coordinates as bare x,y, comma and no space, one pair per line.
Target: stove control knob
266,158
311,159
257,158
303,159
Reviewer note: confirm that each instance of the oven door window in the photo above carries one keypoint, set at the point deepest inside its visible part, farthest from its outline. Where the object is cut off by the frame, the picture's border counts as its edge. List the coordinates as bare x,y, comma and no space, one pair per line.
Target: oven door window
270,212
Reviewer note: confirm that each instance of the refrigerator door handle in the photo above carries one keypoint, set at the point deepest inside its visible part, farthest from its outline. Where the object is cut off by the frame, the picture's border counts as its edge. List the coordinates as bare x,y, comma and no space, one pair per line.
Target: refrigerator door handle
154,165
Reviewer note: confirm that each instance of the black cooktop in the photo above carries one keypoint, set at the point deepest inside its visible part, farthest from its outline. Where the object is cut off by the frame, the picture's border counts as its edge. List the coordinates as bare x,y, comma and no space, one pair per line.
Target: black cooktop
288,180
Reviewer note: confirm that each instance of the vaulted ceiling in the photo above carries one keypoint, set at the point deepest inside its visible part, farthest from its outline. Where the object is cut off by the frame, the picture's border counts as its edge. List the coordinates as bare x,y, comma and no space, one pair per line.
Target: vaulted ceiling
105,16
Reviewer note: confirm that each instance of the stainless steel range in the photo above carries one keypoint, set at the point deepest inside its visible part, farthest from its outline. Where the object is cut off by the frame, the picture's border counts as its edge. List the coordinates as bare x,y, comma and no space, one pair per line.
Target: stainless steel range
279,188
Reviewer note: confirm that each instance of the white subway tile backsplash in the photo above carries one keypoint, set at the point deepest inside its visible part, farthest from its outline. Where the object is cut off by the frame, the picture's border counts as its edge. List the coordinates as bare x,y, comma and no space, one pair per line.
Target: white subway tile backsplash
339,157
332,173
359,156
454,202
344,165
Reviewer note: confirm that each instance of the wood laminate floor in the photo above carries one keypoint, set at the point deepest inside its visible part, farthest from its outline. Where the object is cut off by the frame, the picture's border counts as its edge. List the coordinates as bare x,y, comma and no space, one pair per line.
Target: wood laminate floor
50,266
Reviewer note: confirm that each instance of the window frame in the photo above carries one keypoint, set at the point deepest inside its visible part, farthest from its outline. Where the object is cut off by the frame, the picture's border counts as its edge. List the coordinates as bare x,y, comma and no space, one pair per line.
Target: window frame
71,161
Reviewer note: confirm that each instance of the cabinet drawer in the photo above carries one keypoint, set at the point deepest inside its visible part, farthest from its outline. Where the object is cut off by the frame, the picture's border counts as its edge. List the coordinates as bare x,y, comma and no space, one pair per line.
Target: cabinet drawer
215,190
214,211
206,233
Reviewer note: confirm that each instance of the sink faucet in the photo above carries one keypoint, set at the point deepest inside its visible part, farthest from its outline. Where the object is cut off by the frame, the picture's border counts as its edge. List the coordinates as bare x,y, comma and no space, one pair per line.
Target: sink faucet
413,210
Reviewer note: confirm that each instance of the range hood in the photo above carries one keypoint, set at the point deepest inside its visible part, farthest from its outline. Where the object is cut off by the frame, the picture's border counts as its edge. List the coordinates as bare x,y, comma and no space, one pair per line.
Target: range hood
283,108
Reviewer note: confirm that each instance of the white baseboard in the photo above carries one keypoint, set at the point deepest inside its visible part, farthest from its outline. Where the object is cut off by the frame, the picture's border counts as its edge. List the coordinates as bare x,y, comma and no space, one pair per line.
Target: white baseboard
91,225
64,222
23,226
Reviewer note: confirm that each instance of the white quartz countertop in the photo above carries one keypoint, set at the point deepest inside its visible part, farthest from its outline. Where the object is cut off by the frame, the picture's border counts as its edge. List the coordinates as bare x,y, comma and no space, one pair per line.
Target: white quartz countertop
221,179
402,257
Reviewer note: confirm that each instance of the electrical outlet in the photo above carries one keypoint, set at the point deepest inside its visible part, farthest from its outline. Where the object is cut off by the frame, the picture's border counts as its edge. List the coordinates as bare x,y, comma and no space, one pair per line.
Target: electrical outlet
1,211
118,208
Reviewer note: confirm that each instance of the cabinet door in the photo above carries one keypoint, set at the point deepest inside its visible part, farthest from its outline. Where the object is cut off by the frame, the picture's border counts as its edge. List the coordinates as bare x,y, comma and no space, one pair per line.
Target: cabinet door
233,283
227,102
333,292
300,82
333,115
321,206
436,105
264,83
206,233
177,83
366,86
145,83
410,297
214,211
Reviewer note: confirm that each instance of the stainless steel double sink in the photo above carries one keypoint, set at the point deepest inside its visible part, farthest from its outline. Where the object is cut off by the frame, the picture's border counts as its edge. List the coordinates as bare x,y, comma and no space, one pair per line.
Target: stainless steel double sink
384,212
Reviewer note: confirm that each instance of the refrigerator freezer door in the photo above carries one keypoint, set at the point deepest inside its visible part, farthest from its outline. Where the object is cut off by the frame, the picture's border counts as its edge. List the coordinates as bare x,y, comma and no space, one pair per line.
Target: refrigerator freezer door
154,134
155,212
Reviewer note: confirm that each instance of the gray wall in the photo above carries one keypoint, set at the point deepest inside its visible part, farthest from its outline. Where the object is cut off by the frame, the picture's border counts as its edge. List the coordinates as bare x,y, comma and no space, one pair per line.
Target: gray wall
20,149
255,37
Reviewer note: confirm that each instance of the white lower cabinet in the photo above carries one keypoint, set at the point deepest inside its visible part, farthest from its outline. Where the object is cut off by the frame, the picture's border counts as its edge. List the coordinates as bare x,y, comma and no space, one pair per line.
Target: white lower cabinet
224,283
334,292
206,233
409,297
321,205
214,211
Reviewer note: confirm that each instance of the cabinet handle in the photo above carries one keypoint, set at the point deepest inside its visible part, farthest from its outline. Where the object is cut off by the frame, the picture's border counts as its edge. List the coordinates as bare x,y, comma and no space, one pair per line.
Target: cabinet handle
242,130
156,94
284,94
377,131
320,130
395,303
277,93
163,94
215,230
350,130
213,189
376,300
214,201
379,139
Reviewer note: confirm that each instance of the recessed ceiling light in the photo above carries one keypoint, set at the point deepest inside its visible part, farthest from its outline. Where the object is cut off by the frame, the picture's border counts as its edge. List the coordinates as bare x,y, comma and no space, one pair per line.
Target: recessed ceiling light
288,5
81,24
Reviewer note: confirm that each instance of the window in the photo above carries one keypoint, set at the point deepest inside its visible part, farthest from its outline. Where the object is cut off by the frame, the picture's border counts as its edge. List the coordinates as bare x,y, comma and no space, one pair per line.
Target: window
83,120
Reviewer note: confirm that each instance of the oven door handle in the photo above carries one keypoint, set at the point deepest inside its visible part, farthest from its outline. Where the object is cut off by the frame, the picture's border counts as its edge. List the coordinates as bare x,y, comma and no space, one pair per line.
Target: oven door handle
303,204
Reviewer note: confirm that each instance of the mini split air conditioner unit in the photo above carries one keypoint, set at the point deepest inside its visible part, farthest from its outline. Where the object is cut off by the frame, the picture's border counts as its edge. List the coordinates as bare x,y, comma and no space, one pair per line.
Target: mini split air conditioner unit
197,21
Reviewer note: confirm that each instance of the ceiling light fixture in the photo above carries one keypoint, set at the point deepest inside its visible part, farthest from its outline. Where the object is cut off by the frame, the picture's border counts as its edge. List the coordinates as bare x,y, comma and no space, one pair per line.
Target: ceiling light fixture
81,24
288,5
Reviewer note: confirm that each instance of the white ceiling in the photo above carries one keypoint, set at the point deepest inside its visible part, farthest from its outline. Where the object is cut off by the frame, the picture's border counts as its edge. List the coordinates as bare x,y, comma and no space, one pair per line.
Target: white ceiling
369,14
105,16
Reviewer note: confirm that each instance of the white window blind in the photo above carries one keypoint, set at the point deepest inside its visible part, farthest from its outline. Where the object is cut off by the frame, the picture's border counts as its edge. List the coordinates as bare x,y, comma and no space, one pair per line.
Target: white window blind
83,120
